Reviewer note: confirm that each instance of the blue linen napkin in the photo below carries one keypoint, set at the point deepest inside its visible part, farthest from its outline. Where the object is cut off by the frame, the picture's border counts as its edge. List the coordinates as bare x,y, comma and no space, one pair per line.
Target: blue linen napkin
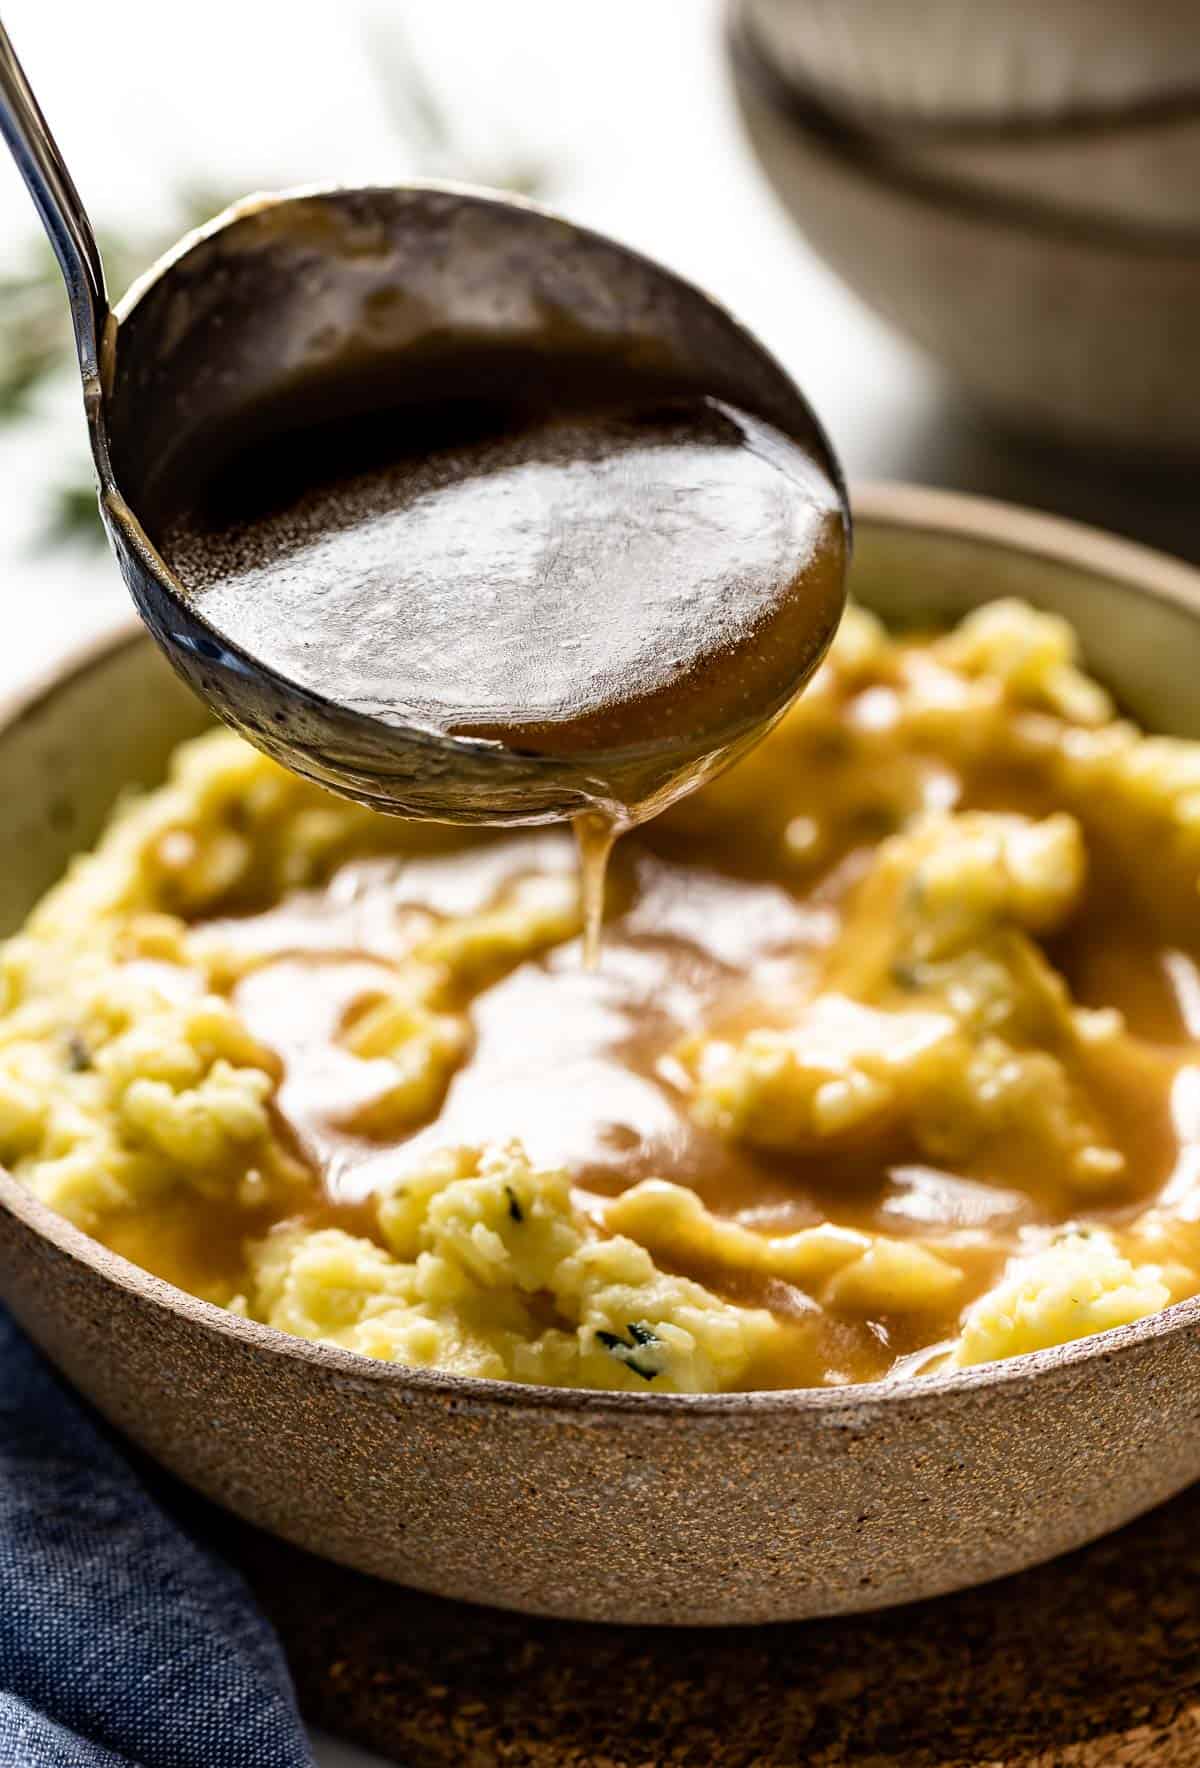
124,1641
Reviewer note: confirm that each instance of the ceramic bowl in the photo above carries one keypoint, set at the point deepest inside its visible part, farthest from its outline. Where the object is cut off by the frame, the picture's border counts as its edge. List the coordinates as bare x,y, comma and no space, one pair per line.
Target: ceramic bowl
621,1507
910,62
1063,325
1142,174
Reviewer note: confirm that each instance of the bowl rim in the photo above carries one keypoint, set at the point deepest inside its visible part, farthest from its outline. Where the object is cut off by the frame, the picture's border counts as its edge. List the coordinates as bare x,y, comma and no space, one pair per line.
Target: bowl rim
859,152
897,506
1151,107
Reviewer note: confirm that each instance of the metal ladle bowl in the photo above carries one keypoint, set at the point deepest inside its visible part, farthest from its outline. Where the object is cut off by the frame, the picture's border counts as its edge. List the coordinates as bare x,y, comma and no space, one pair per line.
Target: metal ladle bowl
337,288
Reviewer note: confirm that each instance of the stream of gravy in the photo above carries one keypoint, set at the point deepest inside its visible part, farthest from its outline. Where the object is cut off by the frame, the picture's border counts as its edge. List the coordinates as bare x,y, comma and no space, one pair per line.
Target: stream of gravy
595,834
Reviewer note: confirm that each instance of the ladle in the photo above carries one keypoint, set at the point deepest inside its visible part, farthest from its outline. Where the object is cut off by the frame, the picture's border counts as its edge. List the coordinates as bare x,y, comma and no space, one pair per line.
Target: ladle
335,289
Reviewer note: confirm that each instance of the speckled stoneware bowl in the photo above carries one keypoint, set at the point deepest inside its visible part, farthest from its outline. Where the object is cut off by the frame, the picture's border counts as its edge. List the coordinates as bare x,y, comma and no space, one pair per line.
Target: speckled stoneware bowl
622,1507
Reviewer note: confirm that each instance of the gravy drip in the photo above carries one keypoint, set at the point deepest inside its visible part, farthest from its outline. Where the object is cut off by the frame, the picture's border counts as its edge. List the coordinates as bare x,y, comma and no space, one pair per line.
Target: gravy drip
595,834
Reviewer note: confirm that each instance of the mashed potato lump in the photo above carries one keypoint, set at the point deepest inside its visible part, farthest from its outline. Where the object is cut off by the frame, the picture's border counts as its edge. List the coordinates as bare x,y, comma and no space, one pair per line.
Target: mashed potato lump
892,1062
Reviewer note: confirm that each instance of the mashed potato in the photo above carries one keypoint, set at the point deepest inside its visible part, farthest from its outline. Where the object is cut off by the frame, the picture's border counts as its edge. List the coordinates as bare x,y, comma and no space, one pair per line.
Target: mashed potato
932,1086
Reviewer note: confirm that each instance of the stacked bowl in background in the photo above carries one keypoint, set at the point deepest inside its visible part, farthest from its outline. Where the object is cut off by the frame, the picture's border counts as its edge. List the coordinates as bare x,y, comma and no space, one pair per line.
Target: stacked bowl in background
1014,184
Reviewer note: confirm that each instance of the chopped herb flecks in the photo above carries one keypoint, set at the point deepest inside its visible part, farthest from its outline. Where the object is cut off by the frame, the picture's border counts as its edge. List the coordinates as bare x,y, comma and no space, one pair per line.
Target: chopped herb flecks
514,1206
643,1351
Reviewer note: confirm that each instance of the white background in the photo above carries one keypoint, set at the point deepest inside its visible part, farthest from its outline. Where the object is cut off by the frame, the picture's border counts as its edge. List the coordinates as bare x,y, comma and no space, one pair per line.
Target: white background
625,102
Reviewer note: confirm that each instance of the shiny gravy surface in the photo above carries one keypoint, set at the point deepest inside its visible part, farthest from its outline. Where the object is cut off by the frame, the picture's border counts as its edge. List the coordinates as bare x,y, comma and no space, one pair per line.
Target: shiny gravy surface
702,934
634,580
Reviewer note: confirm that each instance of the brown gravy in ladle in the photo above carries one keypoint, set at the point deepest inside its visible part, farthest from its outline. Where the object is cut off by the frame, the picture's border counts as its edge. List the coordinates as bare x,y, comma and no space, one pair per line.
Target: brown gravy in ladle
633,581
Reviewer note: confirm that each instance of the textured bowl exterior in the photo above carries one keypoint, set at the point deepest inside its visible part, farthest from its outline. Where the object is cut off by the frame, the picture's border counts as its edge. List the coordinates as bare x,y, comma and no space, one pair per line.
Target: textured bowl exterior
627,1507
1062,324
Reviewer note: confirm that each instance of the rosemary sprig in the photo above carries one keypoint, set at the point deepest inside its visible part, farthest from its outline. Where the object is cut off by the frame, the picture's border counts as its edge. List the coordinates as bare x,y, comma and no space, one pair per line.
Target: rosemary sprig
36,347
30,340
72,516
35,332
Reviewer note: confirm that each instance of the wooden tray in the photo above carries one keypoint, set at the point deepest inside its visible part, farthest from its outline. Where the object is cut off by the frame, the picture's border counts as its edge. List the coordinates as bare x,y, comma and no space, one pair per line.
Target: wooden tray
1092,1662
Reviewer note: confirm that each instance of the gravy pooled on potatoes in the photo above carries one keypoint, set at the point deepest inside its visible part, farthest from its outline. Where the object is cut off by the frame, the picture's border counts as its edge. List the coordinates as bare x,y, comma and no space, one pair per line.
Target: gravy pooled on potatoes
893,1062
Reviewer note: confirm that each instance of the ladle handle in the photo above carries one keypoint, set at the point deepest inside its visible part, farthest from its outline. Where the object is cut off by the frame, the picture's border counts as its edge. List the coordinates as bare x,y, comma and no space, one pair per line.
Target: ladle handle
63,215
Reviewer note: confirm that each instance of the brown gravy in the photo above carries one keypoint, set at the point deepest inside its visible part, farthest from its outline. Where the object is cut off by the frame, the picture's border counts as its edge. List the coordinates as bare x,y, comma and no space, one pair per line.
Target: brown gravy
580,1065
574,1063
638,583
571,584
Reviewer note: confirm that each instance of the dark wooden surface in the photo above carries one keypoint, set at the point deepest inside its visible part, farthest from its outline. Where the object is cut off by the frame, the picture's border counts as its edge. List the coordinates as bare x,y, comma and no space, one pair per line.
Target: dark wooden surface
1093,1662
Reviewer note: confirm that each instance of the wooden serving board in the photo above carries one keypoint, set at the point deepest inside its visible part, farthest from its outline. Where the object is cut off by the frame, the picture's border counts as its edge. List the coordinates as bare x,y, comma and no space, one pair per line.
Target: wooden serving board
1092,1662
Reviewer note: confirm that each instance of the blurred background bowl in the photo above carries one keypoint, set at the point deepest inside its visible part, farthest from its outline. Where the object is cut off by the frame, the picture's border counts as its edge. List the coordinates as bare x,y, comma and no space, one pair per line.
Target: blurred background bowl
1060,323
899,61
1142,173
